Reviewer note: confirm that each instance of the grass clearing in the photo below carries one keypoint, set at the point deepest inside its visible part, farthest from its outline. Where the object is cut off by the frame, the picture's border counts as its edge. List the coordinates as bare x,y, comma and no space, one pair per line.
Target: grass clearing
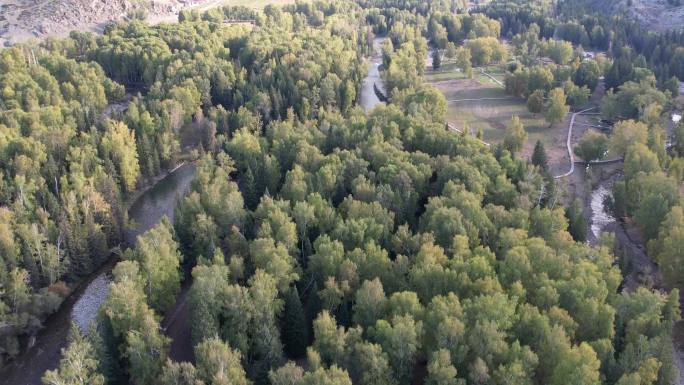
490,116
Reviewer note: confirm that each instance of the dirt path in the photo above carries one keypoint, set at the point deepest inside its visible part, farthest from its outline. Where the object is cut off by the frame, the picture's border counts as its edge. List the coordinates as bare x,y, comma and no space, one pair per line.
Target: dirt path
176,325
495,80
452,127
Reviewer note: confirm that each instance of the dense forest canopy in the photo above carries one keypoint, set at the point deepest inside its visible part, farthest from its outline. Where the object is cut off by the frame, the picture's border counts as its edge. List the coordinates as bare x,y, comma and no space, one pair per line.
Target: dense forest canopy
327,245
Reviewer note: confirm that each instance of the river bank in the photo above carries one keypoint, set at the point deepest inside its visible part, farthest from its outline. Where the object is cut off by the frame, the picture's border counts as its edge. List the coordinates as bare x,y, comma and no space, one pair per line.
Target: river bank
631,254
82,305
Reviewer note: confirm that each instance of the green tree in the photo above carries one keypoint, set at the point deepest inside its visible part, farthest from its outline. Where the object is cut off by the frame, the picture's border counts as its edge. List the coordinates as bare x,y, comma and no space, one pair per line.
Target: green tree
576,96
577,224
78,365
329,340
146,350
369,365
557,109
159,260
587,74
515,136
180,373
667,248
288,374
370,304
218,364
535,102
640,159
119,142
592,146
464,61
321,376
626,133
266,347
560,51
441,371
400,338
206,299
678,138
275,260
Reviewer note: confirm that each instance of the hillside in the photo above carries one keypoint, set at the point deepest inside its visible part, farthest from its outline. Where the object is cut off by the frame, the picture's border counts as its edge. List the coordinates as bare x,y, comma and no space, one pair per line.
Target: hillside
25,19
21,20
657,15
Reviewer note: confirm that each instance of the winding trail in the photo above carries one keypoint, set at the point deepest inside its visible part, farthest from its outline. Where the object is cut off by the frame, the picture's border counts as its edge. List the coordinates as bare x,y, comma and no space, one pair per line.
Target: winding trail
569,145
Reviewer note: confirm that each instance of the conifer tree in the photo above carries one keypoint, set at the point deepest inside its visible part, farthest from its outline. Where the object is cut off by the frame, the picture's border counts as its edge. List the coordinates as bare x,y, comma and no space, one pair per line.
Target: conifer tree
539,158
436,59
249,189
295,333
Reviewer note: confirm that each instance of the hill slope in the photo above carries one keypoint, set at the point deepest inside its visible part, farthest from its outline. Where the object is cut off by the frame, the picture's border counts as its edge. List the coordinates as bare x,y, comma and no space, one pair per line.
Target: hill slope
21,20
658,15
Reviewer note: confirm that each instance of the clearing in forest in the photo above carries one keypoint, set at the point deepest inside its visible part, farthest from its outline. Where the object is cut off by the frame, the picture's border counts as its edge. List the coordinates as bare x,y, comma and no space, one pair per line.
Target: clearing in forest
482,104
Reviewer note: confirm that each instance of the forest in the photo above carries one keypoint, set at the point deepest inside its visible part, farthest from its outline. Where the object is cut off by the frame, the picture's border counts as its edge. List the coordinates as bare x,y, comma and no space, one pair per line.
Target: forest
323,245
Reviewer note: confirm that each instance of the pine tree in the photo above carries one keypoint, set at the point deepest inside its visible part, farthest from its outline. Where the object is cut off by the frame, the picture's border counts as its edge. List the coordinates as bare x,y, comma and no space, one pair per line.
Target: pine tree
249,189
295,333
436,59
539,157
312,306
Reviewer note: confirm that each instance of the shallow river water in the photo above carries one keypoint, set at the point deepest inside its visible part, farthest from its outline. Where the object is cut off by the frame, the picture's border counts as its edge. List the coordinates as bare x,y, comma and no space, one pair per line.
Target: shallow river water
599,217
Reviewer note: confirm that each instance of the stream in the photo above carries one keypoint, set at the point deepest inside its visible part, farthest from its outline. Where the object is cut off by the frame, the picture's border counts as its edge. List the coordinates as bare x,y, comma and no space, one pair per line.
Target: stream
369,98
641,264
83,305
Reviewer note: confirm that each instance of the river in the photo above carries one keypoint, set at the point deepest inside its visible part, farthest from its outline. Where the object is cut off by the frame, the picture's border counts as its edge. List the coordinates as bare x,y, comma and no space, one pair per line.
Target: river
369,98
82,306
600,218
